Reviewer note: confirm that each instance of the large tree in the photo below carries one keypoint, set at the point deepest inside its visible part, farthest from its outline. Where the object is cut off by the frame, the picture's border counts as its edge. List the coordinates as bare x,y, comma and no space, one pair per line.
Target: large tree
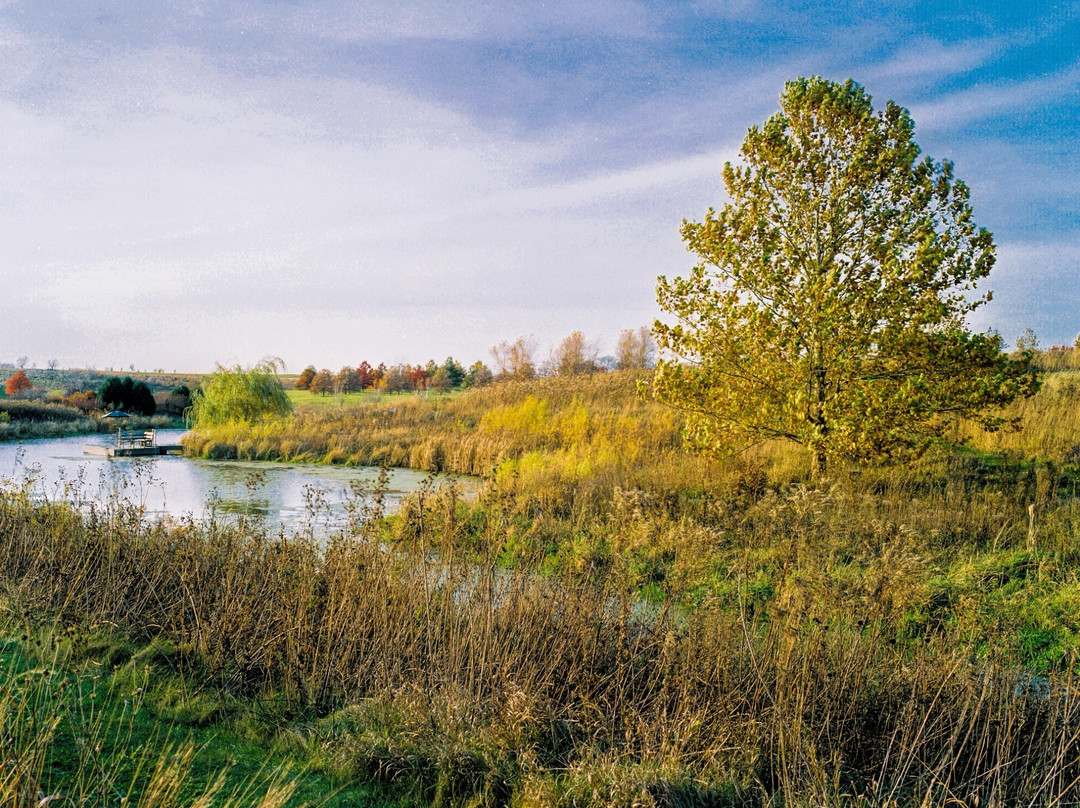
828,308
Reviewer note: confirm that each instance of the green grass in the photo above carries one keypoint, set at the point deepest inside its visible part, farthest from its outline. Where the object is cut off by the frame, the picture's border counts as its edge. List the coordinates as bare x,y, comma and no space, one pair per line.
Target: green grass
319,401
100,715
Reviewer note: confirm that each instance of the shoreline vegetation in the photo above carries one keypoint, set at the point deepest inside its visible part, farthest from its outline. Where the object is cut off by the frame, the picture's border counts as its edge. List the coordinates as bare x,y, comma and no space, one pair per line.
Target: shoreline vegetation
58,403
22,430
56,423
613,621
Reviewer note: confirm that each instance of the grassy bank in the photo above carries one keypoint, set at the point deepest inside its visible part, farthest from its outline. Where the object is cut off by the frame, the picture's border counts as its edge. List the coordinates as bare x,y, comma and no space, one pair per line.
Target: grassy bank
305,398
29,420
89,717
451,683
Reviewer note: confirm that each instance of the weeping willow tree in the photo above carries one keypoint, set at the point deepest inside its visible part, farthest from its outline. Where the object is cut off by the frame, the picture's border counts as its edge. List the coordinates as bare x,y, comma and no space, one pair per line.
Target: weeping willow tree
238,394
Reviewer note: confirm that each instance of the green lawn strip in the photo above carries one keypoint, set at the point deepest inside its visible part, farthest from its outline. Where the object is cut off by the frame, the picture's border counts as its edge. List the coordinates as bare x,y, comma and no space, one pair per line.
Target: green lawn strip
341,400
320,401
118,711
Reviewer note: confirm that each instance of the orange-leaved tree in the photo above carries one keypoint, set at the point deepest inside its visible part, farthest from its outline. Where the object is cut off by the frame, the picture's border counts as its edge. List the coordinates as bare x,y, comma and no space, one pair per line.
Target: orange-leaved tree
18,383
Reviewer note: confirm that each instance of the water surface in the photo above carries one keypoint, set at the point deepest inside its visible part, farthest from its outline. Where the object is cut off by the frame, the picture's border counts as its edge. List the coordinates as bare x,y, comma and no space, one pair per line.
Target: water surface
288,493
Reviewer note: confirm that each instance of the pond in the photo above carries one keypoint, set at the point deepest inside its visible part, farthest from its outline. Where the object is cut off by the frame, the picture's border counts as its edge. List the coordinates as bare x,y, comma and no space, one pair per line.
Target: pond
291,494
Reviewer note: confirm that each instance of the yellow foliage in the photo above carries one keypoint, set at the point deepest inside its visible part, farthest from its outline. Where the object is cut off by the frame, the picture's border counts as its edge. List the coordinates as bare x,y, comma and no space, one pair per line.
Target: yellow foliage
573,424
529,417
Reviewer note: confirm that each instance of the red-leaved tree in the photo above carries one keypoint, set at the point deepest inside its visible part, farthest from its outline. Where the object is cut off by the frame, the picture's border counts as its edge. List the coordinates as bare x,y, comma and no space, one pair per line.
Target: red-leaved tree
303,382
18,383
366,374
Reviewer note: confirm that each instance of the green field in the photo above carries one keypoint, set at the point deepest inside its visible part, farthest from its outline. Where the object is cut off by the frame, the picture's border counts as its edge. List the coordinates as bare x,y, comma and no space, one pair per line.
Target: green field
317,400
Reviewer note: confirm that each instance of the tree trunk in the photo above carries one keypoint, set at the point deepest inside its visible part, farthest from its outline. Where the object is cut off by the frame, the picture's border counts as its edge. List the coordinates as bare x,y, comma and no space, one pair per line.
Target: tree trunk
817,417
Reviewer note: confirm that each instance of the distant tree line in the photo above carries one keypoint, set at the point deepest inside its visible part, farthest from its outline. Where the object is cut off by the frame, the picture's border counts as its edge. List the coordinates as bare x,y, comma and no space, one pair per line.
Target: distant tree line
450,375
573,356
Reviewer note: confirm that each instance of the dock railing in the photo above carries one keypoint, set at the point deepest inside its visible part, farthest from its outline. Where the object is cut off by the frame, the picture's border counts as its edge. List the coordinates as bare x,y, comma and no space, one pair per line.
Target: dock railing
136,438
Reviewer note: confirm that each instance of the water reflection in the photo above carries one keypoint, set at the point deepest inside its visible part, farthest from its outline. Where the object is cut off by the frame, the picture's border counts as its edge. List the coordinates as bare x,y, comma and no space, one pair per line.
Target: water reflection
174,486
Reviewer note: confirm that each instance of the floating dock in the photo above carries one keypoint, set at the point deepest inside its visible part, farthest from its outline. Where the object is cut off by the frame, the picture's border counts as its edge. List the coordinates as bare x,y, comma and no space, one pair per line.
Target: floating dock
132,451
133,444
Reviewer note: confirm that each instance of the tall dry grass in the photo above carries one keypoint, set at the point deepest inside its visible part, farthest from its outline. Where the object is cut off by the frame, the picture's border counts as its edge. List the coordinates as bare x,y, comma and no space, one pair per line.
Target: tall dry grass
594,420
1047,424
466,684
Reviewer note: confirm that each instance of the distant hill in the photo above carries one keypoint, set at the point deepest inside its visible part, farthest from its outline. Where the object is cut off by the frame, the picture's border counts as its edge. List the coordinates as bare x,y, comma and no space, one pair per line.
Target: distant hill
74,380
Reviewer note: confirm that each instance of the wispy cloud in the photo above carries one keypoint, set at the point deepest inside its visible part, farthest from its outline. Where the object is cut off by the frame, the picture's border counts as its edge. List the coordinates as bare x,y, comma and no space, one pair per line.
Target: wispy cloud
514,20
934,58
994,100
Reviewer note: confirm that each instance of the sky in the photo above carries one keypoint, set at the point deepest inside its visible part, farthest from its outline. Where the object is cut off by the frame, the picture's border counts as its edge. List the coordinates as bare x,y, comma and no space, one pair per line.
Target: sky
192,182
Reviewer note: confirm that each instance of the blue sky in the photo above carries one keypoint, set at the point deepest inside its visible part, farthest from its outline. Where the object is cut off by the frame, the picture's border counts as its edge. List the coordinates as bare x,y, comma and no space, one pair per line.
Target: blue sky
184,183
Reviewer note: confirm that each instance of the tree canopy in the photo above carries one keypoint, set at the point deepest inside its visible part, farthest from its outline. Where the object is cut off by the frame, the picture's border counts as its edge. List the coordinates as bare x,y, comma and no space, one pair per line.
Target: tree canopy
478,375
575,356
127,394
514,360
18,383
322,382
303,381
636,350
238,394
829,304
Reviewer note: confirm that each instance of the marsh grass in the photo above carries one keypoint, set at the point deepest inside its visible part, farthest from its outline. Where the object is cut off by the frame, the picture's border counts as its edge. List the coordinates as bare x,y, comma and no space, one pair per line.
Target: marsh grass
584,477
595,420
1048,424
466,683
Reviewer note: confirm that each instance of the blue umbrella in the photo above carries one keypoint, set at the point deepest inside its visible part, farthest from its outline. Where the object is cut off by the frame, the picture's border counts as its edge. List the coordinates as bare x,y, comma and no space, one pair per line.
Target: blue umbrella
117,414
